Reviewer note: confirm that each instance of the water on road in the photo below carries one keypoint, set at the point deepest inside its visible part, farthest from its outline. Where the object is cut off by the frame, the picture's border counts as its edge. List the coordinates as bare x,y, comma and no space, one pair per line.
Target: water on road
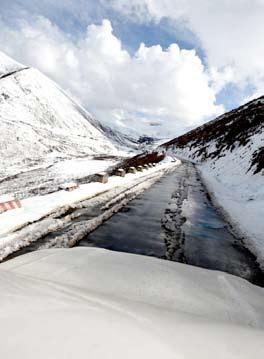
197,234
137,227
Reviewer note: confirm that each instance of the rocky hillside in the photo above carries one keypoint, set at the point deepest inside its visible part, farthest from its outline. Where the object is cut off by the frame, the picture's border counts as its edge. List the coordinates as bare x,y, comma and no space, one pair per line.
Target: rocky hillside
40,124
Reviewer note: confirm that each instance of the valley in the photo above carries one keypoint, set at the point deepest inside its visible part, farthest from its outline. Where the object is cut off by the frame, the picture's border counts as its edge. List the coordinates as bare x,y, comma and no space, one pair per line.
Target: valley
119,245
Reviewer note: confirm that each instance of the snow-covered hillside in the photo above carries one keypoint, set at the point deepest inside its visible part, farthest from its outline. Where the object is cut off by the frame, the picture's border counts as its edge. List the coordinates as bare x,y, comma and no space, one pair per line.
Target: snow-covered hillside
238,133
40,123
230,151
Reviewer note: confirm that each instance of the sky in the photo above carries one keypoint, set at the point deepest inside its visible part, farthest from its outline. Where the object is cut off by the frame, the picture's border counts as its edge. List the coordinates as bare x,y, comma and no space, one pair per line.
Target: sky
154,67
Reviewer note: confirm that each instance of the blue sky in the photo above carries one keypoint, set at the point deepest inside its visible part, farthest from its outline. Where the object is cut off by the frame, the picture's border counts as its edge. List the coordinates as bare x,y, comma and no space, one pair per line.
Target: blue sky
221,82
131,33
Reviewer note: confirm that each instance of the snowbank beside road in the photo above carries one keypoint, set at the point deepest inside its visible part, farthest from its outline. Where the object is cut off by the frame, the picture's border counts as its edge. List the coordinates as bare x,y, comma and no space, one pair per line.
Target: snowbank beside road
241,199
87,302
35,208
42,181
80,167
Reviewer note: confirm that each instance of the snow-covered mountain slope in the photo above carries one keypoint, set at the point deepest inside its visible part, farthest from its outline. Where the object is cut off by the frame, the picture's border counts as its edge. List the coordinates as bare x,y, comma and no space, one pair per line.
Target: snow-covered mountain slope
95,303
230,151
40,124
121,139
8,65
238,133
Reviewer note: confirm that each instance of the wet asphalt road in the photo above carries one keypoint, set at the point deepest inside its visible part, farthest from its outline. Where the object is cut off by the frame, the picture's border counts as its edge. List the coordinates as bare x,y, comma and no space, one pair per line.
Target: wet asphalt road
202,240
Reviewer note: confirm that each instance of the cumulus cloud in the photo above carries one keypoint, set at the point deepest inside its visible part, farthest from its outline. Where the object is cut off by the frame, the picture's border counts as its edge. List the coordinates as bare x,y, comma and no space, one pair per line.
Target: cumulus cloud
156,91
230,32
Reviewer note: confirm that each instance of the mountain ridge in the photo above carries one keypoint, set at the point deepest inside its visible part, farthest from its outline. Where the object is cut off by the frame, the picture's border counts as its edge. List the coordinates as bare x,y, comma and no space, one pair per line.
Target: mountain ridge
41,123
227,133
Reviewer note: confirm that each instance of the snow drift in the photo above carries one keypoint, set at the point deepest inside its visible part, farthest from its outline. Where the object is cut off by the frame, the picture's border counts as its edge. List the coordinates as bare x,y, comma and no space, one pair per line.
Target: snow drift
40,123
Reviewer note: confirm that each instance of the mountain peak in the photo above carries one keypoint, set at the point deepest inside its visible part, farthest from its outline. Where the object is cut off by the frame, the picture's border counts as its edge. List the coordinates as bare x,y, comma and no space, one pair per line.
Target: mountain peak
8,65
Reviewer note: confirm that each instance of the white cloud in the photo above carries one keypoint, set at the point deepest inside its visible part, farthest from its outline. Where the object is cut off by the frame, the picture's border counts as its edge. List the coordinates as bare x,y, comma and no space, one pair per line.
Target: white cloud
154,86
230,32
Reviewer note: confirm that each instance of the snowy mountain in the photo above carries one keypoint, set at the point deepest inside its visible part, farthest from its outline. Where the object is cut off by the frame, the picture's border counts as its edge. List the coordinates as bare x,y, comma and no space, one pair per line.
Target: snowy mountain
230,154
121,139
8,65
41,124
236,136
131,140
